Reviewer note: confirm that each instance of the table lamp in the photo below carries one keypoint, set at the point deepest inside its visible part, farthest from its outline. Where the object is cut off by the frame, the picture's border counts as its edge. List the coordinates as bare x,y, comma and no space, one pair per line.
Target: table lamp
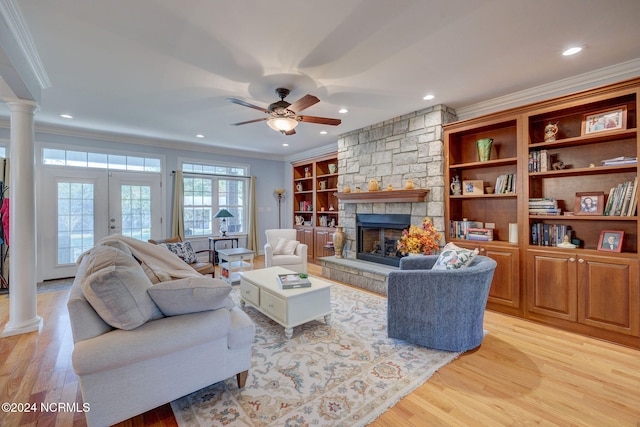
224,214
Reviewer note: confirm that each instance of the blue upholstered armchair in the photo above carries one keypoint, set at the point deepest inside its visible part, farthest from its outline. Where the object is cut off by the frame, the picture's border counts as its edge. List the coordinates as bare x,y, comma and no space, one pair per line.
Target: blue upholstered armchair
441,309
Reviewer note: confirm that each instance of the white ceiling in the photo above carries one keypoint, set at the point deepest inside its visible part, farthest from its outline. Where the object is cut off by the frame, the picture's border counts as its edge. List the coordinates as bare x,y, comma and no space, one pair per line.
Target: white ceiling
162,68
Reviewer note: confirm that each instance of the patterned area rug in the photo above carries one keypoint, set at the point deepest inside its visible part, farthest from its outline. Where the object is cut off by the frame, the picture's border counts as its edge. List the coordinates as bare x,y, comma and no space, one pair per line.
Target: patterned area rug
346,373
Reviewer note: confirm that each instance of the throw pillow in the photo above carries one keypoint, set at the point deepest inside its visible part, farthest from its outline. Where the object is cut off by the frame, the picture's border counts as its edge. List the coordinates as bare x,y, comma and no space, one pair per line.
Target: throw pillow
189,295
183,250
453,257
118,292
285,246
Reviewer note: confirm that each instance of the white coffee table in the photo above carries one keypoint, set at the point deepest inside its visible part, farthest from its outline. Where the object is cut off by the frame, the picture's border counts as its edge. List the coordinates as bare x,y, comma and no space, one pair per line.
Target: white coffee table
287,307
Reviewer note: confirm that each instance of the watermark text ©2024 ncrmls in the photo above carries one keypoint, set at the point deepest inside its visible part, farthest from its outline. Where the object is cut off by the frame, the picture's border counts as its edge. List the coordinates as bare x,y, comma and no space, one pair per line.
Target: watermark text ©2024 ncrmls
45,407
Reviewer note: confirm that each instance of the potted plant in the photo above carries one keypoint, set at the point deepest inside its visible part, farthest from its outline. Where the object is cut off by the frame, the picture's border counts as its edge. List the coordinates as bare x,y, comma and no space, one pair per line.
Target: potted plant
420,240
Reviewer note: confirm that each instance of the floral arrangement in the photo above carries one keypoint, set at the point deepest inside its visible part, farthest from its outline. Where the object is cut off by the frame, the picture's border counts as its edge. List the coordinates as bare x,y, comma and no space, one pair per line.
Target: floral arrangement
420,240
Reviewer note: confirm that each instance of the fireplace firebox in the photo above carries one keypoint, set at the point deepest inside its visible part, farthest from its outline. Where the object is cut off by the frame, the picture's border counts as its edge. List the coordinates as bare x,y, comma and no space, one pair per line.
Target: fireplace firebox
378,235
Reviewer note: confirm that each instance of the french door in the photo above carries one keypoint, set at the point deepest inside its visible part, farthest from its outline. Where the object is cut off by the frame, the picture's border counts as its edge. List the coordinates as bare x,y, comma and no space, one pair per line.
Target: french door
78,207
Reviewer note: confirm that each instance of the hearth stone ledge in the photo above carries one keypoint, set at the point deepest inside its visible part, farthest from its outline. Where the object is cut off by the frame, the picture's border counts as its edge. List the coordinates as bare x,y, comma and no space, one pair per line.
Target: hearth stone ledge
362,274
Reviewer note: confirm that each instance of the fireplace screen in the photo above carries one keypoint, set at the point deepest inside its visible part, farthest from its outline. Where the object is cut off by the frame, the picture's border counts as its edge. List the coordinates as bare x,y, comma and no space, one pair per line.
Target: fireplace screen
378,236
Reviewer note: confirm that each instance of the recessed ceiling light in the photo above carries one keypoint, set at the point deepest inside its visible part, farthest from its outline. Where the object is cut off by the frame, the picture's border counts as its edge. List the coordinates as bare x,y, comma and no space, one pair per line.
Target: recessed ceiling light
66,116
285,145
199,135
428,97
343,111
323,132
572,51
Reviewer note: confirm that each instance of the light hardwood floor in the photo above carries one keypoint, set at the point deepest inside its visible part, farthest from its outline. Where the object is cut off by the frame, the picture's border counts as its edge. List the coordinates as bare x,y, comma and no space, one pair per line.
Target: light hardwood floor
523,374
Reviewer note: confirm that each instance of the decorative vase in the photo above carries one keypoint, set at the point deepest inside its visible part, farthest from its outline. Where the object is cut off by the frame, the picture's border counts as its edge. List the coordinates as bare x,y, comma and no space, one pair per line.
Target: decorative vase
456,186
409,185
346,189
373,185
338,241
333,168
484,148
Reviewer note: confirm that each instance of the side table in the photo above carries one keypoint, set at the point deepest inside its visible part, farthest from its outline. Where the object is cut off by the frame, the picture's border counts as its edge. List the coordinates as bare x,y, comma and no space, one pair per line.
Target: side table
213,252
233,261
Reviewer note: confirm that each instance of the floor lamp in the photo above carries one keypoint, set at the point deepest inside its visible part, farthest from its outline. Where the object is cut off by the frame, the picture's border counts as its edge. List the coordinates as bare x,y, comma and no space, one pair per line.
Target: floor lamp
279,192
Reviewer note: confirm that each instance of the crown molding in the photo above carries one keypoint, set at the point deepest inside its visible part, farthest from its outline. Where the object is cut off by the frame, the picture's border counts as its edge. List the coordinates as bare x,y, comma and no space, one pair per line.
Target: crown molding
600,77
310,154
15,21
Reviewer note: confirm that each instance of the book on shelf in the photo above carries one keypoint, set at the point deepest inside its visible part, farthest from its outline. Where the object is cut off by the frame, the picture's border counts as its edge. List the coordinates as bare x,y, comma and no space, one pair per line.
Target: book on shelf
622,160
483,234
549,234
505,183
544,206
623,199
292,281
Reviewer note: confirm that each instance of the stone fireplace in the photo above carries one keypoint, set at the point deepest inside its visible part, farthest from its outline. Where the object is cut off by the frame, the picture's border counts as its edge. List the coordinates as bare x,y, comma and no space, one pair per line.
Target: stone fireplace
408,146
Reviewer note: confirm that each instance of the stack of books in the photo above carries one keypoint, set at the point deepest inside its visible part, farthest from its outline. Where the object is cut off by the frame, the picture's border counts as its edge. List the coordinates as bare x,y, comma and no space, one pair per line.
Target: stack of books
292,281
482,234
622,160
623,199
506,184
544,206
549,234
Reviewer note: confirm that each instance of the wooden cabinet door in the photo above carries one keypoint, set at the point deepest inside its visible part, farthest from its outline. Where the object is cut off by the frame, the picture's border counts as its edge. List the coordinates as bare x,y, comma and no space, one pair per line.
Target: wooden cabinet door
305,235
551,287
608,295
321,238
505,286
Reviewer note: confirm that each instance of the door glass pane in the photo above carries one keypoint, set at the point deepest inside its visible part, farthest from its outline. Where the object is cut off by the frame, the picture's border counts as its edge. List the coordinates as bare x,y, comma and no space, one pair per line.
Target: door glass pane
75,220
136,211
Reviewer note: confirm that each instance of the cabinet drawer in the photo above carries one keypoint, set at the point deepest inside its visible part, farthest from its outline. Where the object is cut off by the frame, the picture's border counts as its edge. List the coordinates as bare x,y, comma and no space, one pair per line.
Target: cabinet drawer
250,292
273,305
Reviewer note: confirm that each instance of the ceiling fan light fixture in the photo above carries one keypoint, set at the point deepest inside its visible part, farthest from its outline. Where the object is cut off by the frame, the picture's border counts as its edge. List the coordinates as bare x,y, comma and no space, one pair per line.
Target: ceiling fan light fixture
282,124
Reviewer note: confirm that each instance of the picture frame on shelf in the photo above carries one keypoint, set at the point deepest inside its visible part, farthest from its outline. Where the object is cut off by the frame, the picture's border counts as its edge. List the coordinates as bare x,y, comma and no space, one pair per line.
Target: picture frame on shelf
611,240
472,187
589,203
604,120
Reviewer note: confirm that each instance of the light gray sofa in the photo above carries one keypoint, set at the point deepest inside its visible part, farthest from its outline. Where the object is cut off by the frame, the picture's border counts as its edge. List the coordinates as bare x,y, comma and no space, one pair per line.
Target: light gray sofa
127,370
441,309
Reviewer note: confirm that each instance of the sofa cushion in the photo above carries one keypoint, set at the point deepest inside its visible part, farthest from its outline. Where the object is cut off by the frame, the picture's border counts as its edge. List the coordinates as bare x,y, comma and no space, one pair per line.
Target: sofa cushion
453,257
116,287
285,246
184,250
189,295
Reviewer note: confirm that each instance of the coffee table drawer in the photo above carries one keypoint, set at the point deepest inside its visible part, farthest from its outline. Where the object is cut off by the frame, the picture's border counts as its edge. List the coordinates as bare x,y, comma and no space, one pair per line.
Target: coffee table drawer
250,292
273,305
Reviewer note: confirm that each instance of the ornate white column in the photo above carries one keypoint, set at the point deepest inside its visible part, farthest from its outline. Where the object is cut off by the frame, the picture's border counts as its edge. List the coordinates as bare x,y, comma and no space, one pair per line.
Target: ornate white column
23,317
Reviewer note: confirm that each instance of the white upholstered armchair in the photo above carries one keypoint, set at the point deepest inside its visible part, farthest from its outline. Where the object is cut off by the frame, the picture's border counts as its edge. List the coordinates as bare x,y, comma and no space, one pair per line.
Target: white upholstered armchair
283,250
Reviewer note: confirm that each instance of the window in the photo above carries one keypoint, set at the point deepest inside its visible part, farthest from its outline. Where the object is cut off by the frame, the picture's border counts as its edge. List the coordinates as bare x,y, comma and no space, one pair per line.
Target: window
58,157
208,188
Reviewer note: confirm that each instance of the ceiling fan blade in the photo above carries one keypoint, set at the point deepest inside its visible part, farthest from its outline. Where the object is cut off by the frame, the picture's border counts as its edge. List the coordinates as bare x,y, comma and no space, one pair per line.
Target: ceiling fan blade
320,120
246,104
250,121
302,103
291,132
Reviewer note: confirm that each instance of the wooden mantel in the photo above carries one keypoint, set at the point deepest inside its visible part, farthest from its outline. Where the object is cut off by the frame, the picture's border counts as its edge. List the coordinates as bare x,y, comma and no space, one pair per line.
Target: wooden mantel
384,196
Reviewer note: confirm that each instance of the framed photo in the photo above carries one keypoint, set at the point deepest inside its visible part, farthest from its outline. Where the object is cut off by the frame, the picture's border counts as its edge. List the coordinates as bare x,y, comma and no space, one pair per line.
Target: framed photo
589,203
606,120
610,241
473,186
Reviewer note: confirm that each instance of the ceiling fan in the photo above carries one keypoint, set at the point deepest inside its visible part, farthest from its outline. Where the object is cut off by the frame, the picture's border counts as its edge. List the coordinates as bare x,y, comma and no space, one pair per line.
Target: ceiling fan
282,116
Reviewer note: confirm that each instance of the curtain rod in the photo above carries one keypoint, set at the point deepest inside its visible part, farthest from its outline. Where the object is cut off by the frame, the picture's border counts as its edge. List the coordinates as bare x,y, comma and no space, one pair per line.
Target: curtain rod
213,174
